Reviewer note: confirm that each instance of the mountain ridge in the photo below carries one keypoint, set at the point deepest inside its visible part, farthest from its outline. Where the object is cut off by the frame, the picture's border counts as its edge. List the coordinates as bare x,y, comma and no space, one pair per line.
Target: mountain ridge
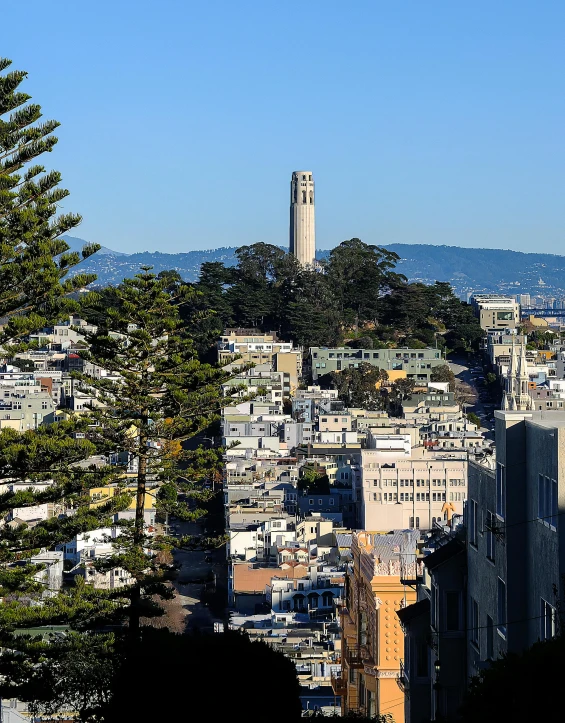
467,269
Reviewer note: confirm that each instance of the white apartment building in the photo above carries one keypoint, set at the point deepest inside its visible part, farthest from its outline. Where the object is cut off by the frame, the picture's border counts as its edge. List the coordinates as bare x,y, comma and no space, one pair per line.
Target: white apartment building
249,447
337,438
400,491
315,592
90,545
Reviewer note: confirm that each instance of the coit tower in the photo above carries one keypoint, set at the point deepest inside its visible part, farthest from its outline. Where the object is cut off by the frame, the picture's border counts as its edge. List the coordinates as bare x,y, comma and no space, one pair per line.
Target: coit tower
302,225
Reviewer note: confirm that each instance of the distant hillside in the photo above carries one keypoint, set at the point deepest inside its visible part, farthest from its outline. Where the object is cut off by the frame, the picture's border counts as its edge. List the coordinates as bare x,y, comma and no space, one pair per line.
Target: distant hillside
489,270
76,244
483,269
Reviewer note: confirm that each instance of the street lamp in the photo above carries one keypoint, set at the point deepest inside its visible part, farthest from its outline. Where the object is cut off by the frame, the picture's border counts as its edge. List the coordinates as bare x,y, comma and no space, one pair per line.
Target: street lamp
437,667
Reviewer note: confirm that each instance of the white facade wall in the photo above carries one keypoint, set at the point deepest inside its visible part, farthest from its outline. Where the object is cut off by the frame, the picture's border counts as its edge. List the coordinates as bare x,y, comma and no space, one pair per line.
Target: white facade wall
410,493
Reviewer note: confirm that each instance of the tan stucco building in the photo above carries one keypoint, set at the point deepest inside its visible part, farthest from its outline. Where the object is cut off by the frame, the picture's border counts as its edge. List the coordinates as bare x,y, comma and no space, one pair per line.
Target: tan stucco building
372,639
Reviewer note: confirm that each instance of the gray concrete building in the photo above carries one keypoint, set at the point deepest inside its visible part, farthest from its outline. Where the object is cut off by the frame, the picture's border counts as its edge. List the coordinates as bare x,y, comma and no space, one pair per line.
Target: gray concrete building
416,363
496,311
516,546
302,242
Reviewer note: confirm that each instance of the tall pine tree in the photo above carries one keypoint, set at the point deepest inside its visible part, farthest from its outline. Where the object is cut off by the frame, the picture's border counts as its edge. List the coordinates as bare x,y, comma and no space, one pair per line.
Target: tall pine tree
34,260
162,397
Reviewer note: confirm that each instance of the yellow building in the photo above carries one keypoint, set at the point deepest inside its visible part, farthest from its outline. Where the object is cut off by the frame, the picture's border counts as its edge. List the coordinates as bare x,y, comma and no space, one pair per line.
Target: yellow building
291,363
101,495
372,638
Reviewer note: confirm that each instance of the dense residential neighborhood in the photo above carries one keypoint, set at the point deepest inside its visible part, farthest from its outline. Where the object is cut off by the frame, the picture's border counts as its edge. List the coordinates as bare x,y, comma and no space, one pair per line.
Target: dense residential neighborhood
273,482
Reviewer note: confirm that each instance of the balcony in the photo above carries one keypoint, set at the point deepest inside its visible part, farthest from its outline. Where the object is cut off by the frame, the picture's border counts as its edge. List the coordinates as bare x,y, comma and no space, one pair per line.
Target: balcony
402,680
339,684
352,654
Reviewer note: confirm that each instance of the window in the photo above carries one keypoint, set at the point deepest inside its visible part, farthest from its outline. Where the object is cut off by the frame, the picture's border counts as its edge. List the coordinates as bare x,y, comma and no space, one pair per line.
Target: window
417,523
452,611
473,522
501,608
490,535
547,621
331,500
490,638
421,659
474,623
547,501
411,522
310,502
500,491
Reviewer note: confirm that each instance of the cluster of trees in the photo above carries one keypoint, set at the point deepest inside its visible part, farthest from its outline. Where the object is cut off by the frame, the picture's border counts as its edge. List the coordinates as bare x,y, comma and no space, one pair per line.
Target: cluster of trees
366,386
314,480
159,396
540,339
359,298
521,687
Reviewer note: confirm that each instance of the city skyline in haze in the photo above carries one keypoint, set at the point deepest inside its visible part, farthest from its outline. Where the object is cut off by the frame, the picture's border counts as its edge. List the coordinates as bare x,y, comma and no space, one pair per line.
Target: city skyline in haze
181,122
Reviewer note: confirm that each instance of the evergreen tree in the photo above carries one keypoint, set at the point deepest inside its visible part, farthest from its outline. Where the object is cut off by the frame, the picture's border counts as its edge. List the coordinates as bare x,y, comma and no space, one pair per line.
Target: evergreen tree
33,294
311,316
33,259
254,296
400,390
164,396
360,387
209,311
443,373
359,274
157,395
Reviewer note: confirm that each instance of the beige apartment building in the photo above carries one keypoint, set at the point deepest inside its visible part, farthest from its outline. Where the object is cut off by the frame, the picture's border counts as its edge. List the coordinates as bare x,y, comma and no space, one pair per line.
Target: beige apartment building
495,311
400,490
252,346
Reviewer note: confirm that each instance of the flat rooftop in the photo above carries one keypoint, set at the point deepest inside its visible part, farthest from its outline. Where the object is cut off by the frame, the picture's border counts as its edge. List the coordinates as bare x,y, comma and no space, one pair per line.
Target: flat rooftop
549,419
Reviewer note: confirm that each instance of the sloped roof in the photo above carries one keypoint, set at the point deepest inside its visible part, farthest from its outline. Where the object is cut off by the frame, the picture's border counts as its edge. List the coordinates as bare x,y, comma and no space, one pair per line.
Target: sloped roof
444,553
422,607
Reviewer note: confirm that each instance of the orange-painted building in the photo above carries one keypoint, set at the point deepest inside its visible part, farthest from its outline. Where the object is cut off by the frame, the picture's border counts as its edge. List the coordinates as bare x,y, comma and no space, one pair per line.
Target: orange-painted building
380,582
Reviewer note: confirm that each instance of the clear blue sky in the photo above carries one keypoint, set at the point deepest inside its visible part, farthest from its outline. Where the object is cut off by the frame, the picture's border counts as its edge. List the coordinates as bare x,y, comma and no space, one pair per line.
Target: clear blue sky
423,122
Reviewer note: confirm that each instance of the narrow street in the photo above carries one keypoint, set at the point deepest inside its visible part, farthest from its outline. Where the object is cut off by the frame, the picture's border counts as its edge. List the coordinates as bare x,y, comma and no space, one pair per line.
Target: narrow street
459,366
193,574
